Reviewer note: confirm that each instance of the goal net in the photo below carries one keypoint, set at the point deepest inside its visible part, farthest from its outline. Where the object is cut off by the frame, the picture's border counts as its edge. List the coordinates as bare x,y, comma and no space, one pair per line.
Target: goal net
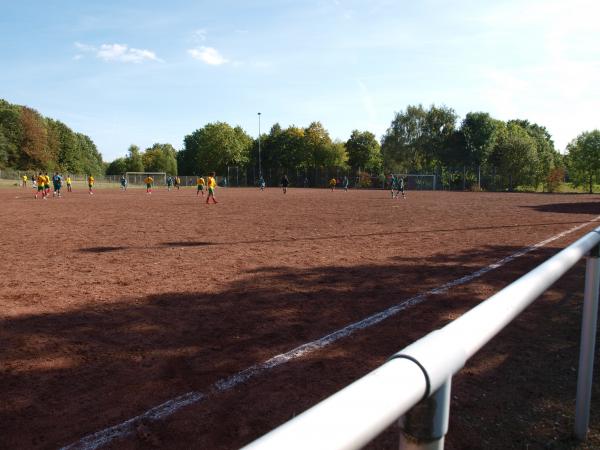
160,178
415,182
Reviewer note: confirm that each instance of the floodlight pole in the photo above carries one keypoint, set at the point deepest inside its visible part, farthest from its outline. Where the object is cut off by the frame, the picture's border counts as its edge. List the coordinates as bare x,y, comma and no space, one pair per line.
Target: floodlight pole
259,165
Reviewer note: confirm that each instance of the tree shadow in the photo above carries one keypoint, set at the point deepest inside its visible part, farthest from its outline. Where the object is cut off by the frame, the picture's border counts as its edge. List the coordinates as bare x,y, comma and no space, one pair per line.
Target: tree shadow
106,249
592,208
120,359
181,244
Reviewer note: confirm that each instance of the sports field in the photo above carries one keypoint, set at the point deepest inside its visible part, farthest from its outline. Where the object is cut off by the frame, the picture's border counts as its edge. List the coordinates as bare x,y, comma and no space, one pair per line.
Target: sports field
113,304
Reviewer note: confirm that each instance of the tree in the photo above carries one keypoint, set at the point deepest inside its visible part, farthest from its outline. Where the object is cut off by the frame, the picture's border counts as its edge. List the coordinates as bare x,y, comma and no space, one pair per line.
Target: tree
214,147
33,140
438,128
515,155
336,155
134,159
402,145
417,137
479,131
117,167
317,145
3,150
548,157
363,151
91,159
160,158
583,159
10,124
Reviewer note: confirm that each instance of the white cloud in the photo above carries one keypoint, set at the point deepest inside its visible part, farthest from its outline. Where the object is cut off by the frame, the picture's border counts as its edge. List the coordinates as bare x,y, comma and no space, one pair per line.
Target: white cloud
208,55
122,53
117,52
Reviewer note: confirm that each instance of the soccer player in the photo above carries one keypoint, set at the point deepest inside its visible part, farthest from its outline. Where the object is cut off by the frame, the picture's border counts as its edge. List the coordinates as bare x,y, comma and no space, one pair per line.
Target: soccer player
261,183
46,184
177,182
40,185
332,184
345,183
212,184
200,184
90,180
69,184
148,180
401,188
123,183
57,184
24,182
285,183
394,185
169,183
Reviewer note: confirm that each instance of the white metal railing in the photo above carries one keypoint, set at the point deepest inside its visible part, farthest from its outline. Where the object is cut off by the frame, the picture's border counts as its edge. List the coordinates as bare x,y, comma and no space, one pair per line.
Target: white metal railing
415,382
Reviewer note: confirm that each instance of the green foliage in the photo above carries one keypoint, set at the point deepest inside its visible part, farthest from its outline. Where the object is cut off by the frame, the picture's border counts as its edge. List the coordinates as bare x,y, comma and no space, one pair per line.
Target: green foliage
30,141
134,159
213,148
583,160
160,158
479,131
515,155
364,151
3,150
117,167
548,157
416,138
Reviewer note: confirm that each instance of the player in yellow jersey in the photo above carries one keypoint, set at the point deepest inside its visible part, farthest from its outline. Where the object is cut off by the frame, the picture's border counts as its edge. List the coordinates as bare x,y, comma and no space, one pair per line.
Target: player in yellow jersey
332,183
200,184
68,183
148,180
90,180
40,185
24,182
212,184
46,184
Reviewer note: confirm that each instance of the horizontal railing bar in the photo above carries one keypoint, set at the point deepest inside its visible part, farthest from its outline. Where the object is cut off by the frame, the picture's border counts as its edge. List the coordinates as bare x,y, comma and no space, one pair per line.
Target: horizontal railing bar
339,421
358,413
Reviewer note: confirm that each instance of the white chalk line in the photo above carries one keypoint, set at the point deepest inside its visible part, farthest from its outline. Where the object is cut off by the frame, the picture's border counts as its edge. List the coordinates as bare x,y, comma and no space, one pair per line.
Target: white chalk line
103,437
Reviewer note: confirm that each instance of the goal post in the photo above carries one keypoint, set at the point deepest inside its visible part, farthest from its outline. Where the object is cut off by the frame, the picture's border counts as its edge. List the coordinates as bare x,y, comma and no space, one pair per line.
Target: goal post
133,178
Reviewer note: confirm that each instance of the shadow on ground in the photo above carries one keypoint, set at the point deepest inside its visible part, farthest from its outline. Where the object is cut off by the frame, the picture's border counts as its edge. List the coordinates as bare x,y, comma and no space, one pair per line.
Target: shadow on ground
183,244
68,374
592,208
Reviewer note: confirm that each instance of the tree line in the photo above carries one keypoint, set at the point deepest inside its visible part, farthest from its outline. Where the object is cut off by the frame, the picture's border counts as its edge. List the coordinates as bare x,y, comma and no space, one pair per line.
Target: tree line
30,141
477,152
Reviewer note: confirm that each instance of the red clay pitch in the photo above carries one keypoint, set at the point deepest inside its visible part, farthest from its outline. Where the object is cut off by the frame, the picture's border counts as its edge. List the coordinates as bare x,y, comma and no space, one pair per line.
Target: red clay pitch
114,303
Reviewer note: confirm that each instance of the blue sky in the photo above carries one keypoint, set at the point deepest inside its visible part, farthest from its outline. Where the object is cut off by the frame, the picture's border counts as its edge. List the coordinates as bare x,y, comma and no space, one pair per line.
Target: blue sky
139,72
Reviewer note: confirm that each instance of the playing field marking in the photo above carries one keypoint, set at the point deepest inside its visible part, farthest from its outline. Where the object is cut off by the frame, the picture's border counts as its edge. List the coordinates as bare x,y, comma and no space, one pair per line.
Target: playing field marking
103,437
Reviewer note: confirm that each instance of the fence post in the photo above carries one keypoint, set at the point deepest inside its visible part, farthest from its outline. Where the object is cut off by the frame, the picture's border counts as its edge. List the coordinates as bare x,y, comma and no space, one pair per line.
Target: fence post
426,424
588,339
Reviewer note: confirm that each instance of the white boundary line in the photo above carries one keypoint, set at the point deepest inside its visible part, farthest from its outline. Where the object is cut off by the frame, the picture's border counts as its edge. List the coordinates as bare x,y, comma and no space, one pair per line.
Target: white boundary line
103,437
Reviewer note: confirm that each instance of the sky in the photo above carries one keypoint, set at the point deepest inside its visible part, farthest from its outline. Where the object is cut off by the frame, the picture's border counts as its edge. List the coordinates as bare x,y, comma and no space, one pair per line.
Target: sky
139,72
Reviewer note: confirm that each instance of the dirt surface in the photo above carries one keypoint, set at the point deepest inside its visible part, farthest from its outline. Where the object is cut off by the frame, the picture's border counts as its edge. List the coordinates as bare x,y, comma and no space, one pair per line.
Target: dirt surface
115,303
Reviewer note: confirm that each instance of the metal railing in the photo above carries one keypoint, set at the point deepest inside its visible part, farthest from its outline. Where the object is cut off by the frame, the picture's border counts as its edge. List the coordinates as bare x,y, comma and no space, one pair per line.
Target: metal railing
415,383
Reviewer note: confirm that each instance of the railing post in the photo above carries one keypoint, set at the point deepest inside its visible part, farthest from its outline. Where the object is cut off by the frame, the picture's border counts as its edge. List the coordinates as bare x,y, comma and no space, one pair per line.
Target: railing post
588,339
426,424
